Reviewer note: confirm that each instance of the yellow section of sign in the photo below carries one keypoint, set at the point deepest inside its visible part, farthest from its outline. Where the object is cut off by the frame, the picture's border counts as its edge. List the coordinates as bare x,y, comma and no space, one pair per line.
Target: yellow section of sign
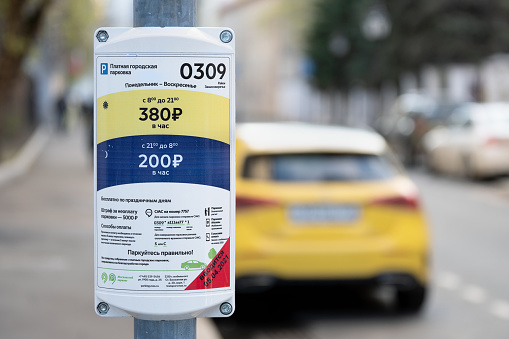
163,112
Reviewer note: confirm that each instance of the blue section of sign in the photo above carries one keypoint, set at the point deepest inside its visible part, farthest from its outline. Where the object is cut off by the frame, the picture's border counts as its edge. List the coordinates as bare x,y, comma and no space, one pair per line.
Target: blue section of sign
104,68
163,158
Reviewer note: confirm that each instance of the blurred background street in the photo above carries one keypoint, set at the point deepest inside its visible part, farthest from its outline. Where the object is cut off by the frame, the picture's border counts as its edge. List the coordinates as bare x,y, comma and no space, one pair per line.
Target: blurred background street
430,77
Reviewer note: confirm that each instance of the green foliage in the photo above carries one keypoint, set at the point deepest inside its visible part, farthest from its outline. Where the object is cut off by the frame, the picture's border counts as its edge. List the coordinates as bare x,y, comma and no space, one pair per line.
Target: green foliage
78,24
70,26
422,32
58,27
336,44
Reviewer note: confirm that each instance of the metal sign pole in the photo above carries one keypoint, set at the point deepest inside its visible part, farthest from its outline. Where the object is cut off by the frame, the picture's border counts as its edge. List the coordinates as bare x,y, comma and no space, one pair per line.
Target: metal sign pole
149,329
164,13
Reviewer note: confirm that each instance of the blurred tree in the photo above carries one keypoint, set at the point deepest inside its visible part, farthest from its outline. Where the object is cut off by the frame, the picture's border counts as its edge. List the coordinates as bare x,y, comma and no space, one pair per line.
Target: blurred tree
20,21
336,45
69,29
420,32
444,31
56,35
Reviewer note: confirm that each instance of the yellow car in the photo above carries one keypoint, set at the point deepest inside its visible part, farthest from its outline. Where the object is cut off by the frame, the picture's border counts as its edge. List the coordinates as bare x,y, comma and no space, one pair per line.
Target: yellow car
325,204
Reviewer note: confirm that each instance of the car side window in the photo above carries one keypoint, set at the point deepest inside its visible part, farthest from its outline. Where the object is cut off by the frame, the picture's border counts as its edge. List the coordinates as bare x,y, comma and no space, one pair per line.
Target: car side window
460,119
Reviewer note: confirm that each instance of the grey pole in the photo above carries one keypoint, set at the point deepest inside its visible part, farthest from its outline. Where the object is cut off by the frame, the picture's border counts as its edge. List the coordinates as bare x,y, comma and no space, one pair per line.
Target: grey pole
181,329
164,13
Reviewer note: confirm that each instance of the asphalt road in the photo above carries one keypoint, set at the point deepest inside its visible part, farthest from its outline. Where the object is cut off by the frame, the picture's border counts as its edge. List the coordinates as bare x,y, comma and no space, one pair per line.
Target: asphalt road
469,297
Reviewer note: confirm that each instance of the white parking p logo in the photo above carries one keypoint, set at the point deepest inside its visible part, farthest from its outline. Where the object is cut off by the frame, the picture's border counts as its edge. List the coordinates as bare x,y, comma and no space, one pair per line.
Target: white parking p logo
104,68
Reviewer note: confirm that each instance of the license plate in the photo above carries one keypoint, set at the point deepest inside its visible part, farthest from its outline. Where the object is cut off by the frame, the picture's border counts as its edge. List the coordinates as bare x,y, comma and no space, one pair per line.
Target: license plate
324,213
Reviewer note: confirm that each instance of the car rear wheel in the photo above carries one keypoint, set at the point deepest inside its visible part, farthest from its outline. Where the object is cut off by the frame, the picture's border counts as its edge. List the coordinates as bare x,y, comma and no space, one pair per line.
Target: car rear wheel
411,300
430,165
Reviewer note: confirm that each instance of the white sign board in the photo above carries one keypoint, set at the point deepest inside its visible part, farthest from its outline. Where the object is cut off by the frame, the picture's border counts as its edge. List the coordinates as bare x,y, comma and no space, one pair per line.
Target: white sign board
164,172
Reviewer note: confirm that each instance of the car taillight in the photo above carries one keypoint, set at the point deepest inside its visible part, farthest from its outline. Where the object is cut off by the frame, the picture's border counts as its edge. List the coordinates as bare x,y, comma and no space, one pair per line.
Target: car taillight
494,141
409,202
245,202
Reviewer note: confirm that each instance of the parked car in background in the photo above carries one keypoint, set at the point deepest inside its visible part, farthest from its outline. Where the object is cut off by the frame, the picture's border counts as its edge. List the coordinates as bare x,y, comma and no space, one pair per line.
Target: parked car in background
324,204
409,119
474,143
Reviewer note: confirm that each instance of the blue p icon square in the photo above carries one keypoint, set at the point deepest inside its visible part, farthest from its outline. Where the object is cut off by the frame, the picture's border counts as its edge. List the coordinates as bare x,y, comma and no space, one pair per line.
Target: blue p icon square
104,68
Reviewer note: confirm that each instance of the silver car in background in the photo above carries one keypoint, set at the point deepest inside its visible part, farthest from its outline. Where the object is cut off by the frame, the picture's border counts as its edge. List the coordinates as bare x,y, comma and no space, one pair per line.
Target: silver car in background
474,143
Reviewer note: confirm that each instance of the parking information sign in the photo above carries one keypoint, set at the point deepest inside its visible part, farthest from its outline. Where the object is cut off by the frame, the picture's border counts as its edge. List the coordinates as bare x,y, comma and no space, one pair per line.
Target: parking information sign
164,172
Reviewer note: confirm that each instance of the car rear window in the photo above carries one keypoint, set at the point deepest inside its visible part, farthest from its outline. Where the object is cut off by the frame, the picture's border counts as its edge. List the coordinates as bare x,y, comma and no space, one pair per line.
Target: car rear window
319,167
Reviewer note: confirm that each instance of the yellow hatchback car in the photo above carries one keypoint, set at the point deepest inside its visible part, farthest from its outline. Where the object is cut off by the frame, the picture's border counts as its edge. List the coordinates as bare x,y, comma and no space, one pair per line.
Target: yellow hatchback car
325,204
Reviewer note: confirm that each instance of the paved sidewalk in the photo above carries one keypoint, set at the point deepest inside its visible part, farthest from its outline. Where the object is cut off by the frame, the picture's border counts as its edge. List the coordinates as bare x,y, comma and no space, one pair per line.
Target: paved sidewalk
46,250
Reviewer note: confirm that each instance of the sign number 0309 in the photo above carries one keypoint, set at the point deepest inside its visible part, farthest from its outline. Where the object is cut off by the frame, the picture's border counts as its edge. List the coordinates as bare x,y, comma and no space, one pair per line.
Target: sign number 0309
200,70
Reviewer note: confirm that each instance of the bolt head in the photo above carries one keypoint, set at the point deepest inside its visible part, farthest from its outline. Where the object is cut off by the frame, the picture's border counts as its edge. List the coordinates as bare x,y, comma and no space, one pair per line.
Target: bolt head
226,308
226,36
103,308
102,36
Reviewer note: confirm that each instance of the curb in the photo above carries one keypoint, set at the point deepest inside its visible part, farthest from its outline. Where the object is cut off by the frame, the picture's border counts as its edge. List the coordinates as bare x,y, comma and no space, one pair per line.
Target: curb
22,162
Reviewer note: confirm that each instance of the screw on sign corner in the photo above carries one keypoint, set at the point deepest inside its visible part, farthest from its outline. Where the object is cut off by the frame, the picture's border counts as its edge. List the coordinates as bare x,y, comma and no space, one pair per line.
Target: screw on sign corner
226,36
226,308
102,36
103,308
